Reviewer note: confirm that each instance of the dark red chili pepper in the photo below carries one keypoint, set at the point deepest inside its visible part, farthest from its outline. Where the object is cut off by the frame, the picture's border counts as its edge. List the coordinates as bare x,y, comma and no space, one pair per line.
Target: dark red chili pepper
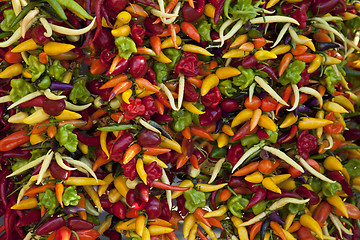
53,224
200,6
119,210
133,109
122,144
75,223
235,153
20,232
163,118
291,135
212,98
106,56
33,216
105,203
346,187
9,221
105,15
307,194
142,192
151,76
268,70
287,8
3,189
219,9
306,143
304,234
259,196
213,196
98,5
165,210
35,102
235,182
249,61
36,170
243,131
335,175
130,169
138,32
300,15
253,186
58,172
188,65
284,193
322,7
150,107
165,186
17,153
88,140
211,115
190,94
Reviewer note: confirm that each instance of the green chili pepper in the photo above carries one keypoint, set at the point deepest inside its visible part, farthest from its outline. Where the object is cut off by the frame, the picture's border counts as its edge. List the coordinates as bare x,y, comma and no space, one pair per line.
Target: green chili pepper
36,67
194,199
204,29
292,73
174,55
331,78
226,7
75,7
49,201
244,10
19,88
45,82
35,154
315,184
182,119
94,219
162,72
245,78
236,204
352,166
18,163
250,140
217,152
126,46
329,189
116,127
58,9
66,138
259,207
295,208
80,92
195,117
7,24
273,136
70,196
134,236
56,70
227,88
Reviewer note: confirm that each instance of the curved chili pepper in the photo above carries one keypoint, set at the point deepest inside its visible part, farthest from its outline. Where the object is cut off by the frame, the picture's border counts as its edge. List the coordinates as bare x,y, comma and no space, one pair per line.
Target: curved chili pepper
213,196
32,217
17,153
268,70
50,225
284,193
165,186
265,224
259,196
88,140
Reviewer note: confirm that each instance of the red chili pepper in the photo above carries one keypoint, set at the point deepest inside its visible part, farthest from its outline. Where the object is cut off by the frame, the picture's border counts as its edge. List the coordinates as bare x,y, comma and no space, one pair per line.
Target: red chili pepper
89,234
133,109
120,67
188,65
32,217
75,223
14,140
212,98
213,196
51,225
259,196
162,99
291,135
17,153
137,32
63,233
165,186
35,102
268,70
304,234
284,193
98,5
219,9
243,131
88,140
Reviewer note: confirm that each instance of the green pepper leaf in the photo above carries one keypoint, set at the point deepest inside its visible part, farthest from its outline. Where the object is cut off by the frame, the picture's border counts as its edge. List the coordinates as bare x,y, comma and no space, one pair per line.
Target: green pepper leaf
126,47
80,92
292,73
194,199
49,201
70,196
66,138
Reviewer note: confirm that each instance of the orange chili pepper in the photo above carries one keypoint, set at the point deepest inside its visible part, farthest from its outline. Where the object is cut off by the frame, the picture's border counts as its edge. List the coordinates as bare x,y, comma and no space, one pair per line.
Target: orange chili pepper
43,58
97,67
286,97
278,230
38,128
51,131
82,204
159,222
194,161
131,152
98,113
259,42
321,37
155,43
225,195
136,10
171,5
120,88
143,83
306,57
299,49
201,234
59,190
254,230
186,133
52,236
100,161
195,81
167,31
199,214
114,81
294,227
251,167
286,59
198,131
182,159
114,63
160,107
173,34
42,211
155,150
255,119
33,191
190,30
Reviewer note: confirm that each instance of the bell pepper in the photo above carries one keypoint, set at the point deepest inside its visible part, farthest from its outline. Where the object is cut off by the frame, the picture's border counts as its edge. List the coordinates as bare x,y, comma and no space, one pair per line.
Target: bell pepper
80,93
249,140
259,207
56,70
19,88
295,208
35,67
236,204
66,138
126,46
182,119
194,199
49,201
245,79
330,189
162,72
292,73
70,196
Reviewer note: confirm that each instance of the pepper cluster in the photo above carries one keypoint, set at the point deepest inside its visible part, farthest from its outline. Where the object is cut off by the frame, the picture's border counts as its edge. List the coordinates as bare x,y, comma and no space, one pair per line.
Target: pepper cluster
213,119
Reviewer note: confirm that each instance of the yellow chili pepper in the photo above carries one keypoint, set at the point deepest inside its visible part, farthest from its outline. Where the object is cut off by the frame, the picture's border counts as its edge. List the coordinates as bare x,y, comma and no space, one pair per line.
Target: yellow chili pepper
240,40
340,118
120,185
18,117
108,179
25,46
334,107
338,203
193,232
209,10
269,184
12,71
227,72
83,148
105,225
267,123
123,17
332,164
125,226
281,49
242,231
36,117
315,64
306,123
287,184
227,130
208,187
185,183
191,108
346,174
222,140
330,60
147,159
28,203
217,213
255,177
263,55
103,136
168,43
162,58
189,222
271,3
208,230
146,234
242,117
235,53
83,181
26,73
126,96
309,44
196,49
141,171
36,138
310,223
68,115
121,31
140,224
343,101
289,220
56,48
319,131
209,82
171,144
280,178
289,120
114,195
158,230
94,196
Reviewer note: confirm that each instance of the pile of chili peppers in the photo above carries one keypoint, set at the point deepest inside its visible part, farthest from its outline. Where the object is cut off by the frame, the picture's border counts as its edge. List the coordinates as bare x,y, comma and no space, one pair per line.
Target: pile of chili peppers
219,119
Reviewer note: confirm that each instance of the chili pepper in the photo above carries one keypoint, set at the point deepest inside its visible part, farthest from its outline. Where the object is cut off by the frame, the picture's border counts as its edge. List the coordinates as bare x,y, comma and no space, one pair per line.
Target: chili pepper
50,225
309,222
268,70
259,196
338,204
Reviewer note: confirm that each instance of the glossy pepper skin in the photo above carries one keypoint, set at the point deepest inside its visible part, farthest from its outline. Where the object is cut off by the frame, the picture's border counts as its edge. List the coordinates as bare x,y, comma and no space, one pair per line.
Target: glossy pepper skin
236,204
194,199
182,119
